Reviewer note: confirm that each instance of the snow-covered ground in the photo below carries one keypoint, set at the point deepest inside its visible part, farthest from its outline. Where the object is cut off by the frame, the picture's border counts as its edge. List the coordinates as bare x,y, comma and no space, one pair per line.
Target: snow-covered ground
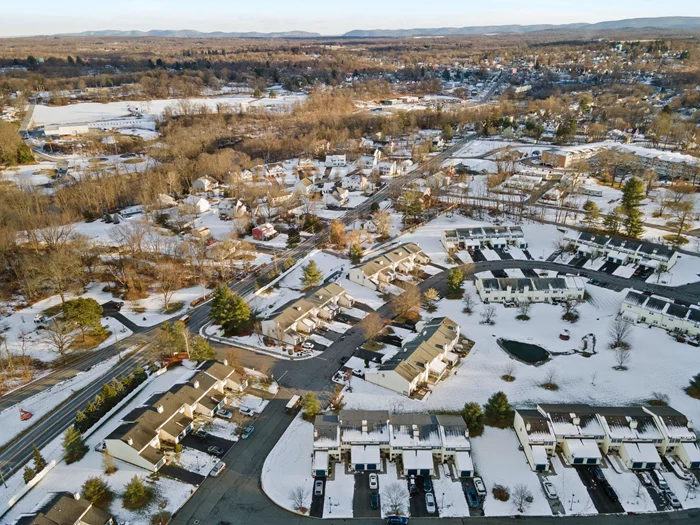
195,461
449,495
153,306
44,402
171,494
572,492
629,489
221,428
338,497
30,174
288,465
499,462
250,401
389,478
690,499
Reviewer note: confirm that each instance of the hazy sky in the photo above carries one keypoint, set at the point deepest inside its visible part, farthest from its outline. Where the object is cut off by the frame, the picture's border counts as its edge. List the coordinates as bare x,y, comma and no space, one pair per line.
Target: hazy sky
327,17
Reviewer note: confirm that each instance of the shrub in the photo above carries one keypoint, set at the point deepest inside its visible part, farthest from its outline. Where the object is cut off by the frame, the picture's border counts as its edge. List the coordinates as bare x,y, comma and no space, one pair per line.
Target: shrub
28,474
474,417
161,518
501,493
137,495
693,390
74,447
97,492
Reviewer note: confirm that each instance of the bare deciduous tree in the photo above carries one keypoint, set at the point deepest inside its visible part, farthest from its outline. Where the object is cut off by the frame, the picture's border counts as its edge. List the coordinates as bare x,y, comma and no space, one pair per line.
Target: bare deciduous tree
522,497
169,280
622,357
408,301
394,499
488,315
300,497
524,310
372,325
59,336
619,332
469,303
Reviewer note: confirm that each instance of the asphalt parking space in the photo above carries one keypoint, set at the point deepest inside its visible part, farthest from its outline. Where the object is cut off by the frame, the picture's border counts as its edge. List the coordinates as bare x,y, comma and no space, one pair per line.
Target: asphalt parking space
477,256
602,501
503,254
316,509
202,445
657,496
417,502
609,267
362,498
468,484
181,474
500,274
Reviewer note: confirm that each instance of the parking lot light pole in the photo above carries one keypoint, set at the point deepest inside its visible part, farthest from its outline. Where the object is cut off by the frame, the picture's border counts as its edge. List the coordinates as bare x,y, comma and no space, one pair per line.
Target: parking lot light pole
571,507
330,507
442,503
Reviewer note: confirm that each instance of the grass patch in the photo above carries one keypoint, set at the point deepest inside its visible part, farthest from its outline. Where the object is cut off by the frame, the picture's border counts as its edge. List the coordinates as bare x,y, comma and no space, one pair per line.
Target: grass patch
138,309
133,161
508,378
174,307
53,310
500,493
373,346
91,341
550,386
677,241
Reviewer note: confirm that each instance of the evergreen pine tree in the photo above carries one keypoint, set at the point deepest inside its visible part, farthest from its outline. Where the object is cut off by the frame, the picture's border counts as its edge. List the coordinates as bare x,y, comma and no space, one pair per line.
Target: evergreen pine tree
312,275
74,447
454,283
28,474
201,350
497,407
632,197
474,417
39,461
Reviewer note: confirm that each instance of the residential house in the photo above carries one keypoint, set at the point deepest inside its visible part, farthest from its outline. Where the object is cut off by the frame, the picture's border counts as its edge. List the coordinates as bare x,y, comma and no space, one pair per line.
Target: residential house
338,198
456,446
622,251
536,435
65,508
369,162
304,187
355,182
164,200
264,232
334,161
417,439
679,439
420,361
233,209
201,233
479,237
326,443
577,430
198,204
530,290
632,433
379,271
168,417
438,180
659,311
365,435
386,168
205,184
301,317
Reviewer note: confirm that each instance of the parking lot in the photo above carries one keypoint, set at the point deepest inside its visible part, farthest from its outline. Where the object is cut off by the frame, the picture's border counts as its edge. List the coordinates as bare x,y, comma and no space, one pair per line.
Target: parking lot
417,501
468,486
596,488
316,509
361,502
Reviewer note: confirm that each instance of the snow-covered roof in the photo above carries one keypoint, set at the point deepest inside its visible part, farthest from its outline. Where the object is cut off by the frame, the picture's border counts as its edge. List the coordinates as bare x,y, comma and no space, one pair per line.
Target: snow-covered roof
692,450
414,430
642,452
417,459
583,448
463,460
629,423
365,454
539,454
573,420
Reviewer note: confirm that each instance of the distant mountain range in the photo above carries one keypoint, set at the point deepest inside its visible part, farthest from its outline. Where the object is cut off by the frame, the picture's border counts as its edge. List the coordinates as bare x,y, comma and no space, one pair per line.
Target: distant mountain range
668,22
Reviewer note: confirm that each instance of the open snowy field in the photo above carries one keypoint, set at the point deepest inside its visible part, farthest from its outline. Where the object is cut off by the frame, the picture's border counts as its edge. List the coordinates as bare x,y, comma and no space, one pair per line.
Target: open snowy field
95,112
658,363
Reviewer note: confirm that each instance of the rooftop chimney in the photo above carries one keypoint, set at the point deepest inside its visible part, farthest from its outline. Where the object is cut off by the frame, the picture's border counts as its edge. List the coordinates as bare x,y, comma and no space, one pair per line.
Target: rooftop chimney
196,383
159,408
415,431
129,441
527,427
364,426
575,419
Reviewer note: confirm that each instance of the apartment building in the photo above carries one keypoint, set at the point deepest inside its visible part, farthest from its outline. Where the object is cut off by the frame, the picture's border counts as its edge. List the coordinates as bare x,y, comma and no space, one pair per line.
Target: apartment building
423,360
622,251
659,311
483,237
169,416
530,290
300,317
380,271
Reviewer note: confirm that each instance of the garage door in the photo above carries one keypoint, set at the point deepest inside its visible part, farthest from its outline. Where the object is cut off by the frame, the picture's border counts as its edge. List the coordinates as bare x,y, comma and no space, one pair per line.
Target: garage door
359,466
372,466
412,472
465,473
425,472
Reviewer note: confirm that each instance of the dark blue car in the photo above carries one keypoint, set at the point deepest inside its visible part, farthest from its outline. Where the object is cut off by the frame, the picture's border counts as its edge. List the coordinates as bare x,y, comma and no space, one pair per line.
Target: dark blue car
473,498
396,520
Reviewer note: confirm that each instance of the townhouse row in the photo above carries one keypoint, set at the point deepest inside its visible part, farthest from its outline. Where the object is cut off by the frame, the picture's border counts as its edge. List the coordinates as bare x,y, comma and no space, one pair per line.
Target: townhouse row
417,442
639,435
479,237
659,311
382,270
530,290
168,417
622,251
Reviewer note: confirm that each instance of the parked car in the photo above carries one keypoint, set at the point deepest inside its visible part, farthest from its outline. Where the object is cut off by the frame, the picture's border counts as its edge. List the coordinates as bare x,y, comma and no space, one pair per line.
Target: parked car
344,360
660,480
218,469
412,487
646,478
610,492
247,432
373,481
318,487
216,451
427,484
598,473
339,377
224,413
396,520
480,486
100,447
549,490
358,372
430,503
308,345
472,498
673,500
247,411
374,500
200,434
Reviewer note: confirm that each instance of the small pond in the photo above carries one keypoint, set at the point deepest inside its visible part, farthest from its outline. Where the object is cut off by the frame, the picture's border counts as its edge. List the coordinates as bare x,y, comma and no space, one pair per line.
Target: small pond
525,352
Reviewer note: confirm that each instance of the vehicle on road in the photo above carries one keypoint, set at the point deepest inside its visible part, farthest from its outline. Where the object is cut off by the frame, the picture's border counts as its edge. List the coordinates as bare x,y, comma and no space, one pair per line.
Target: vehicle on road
396,520
660,480
247,432
318,487
200,434
247,411
100,447
373,481
224,414
472,498
480,486
293,403
427,484
308,345
344,360
218,469
374,500
549,490
215,451
185,319
430,503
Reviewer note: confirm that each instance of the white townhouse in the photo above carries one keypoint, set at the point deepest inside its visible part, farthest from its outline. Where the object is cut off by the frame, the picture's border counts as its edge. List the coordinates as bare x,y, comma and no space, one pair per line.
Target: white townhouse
326,443
679,439
198,204
483,237
622,251
423,360
633,434
233,209
536,435
300,317
380,271
456,446
386,168
659,311
169,416
336,161
369,162
416,438
355,182
304,187
364,434
530,290
577,430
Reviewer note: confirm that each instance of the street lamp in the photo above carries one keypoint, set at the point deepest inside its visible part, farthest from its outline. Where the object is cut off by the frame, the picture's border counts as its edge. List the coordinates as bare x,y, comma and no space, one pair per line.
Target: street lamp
442,502
330,507
571,507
